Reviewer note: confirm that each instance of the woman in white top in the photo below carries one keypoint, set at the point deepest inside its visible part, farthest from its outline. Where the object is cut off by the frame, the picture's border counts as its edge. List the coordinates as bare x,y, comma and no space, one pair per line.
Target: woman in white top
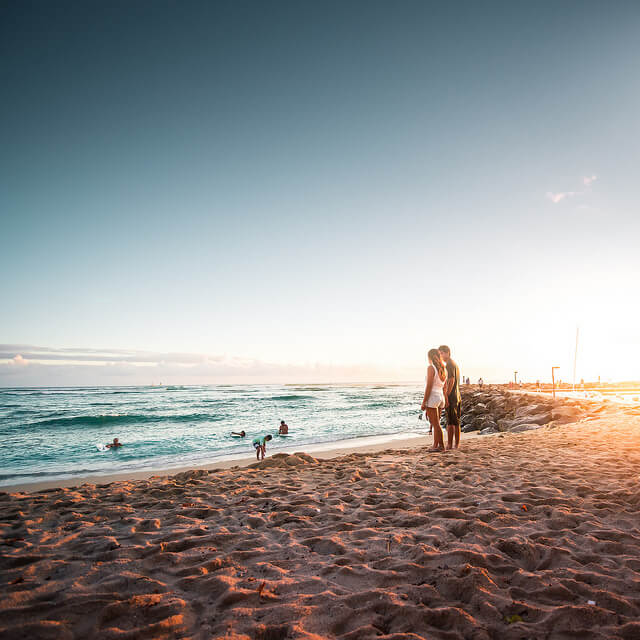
433,401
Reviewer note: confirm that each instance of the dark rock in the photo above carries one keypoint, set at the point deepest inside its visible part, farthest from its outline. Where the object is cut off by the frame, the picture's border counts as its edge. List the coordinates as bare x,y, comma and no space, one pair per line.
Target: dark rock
467,418
487,431
506,424
525,427
530,409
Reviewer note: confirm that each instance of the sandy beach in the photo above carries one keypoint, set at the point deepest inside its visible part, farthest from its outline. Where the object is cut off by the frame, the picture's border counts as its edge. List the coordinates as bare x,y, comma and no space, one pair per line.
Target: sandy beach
520,535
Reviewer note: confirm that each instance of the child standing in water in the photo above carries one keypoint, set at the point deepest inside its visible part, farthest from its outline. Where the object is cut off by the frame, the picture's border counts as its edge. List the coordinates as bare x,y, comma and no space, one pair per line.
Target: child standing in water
260,445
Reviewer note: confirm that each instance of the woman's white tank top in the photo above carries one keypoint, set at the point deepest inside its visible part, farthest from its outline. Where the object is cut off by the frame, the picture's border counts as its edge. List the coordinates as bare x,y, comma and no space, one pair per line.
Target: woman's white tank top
438,383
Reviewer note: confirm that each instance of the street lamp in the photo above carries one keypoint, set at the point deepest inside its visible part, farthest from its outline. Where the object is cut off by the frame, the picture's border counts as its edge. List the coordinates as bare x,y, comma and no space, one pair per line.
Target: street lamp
553,380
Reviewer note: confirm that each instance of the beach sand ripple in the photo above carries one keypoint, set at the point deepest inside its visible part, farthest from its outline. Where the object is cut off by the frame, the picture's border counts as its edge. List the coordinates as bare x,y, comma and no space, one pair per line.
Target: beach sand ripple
517,535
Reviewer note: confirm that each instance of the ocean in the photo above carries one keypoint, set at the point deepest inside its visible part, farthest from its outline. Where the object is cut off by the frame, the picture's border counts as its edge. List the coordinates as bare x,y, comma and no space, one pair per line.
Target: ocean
54,433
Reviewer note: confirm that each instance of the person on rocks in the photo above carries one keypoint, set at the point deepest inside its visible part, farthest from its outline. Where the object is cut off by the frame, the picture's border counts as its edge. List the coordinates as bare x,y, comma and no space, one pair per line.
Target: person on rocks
433,401
452,397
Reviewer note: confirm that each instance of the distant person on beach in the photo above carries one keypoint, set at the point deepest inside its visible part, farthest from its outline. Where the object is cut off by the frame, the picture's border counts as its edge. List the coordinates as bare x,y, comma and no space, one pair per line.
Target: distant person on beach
242,434
260,445
433,400
480,382
452,398
115,444
284,428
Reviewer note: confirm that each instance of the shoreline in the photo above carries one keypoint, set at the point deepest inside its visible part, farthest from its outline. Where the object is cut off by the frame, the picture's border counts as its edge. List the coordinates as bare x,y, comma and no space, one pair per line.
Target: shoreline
487,411
322,450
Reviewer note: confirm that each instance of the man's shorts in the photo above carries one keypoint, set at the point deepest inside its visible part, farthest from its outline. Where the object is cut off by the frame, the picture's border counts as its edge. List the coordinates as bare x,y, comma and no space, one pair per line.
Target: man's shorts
454,409
256,445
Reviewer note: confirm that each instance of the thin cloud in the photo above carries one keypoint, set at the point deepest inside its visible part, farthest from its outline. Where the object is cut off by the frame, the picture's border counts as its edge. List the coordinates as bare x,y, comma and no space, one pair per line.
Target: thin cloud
46,354
18,361
62,367
563,195
558,197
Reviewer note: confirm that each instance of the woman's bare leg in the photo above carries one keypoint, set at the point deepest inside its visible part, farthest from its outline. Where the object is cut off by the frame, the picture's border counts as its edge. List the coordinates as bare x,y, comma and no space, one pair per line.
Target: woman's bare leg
438,441
440,427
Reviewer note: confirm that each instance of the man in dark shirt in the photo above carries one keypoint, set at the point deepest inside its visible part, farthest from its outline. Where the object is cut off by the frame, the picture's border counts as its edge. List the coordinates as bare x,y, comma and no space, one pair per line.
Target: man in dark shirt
452,398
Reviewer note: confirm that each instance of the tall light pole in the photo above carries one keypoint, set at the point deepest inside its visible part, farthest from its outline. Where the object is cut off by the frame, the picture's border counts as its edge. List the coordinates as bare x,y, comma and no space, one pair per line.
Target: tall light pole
575,360
553,380
515,377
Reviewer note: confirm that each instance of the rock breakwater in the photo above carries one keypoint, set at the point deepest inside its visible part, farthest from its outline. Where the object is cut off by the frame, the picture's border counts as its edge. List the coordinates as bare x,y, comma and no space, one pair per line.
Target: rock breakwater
496,408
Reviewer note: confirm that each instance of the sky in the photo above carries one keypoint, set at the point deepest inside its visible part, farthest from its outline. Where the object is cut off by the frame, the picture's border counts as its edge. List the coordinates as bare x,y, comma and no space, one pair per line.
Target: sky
201,192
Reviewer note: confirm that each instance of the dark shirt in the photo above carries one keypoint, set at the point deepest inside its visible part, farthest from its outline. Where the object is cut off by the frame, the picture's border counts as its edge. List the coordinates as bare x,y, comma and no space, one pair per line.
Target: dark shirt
453,373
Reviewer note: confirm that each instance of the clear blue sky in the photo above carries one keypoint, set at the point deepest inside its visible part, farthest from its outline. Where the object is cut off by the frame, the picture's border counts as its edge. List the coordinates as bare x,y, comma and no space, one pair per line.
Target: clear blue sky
341,183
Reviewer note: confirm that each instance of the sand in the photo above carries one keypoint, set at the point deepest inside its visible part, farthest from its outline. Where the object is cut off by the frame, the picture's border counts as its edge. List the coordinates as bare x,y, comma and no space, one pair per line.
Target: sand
527,535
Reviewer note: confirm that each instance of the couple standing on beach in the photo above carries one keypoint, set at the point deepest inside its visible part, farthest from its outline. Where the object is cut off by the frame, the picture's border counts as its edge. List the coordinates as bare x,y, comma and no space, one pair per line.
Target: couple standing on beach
443,391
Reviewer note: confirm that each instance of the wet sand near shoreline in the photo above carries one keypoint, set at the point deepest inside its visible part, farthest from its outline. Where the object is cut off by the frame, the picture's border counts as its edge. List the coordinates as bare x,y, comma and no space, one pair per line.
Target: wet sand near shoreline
520,535
321,451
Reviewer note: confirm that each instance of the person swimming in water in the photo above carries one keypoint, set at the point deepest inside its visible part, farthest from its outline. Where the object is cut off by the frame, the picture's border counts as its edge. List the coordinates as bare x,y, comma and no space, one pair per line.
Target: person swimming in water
284,428
260,445
242,434
115,444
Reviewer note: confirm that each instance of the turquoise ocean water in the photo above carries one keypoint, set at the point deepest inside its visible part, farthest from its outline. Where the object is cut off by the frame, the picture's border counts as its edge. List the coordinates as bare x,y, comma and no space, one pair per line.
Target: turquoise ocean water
51,433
